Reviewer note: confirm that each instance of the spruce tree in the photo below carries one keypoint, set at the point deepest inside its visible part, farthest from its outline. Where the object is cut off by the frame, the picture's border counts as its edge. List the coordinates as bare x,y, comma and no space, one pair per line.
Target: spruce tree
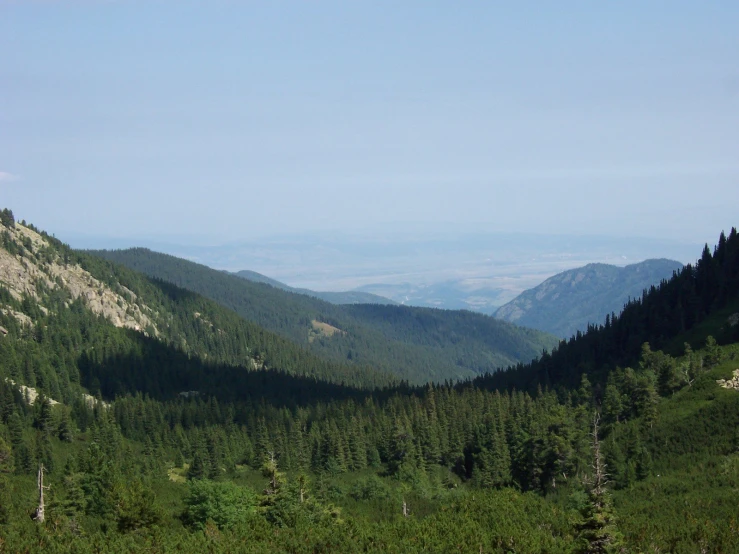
179,460
197,469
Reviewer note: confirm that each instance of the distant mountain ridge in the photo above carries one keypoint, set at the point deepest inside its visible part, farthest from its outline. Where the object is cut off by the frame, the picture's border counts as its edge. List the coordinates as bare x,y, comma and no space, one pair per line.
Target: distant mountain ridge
569,301
414,344
347,297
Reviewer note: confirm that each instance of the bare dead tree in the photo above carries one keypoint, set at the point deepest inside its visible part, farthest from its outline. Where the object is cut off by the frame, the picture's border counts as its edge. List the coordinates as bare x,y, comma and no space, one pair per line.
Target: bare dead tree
302,485
600,477
40,514
598,531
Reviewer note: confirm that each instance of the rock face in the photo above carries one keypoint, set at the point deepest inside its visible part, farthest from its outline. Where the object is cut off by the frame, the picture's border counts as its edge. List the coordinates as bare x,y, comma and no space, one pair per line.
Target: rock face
30,394
22,274
732,383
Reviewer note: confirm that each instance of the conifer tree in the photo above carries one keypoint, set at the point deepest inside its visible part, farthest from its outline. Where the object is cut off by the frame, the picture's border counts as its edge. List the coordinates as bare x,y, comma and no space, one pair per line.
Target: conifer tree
598,533
613,406
5,506
714,355
197,469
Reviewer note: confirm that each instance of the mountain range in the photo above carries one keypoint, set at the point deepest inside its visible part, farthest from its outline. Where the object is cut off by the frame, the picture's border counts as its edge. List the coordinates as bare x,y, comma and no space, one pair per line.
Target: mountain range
137,415
415,344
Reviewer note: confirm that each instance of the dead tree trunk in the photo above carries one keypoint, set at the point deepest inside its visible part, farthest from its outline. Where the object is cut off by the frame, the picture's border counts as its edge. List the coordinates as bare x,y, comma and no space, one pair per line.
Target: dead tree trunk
600,478
405,508
40,514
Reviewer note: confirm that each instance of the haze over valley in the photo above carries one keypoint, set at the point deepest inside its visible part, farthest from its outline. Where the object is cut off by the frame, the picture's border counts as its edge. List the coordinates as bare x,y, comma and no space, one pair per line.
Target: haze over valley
383,277
445,269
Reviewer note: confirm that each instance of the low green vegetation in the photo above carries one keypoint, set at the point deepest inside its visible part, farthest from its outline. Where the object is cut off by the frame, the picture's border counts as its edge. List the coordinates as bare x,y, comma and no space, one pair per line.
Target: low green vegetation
470,468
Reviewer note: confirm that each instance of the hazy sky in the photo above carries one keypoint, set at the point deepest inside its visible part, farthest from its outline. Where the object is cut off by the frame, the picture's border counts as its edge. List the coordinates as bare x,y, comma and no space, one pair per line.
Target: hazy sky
240,119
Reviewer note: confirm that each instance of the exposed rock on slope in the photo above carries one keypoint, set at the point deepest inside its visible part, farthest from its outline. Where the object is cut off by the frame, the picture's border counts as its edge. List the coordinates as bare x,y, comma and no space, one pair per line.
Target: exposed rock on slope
732,383
37,265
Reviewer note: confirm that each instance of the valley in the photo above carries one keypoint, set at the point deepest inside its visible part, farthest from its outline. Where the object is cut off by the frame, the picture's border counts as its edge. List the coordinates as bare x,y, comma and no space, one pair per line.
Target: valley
210,408
369,277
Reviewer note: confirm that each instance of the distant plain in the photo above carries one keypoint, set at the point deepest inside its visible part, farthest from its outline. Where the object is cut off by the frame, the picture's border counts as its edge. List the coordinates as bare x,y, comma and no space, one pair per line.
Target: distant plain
434,268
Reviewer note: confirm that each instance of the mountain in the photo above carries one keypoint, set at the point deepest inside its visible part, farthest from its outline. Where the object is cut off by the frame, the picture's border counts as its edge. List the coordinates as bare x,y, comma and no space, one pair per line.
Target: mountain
136,416
699,300
42,278
569,301
347,297
176,452
416,344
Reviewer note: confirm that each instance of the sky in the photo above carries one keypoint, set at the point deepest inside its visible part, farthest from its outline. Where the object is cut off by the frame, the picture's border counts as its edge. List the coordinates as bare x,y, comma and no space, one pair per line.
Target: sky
229,120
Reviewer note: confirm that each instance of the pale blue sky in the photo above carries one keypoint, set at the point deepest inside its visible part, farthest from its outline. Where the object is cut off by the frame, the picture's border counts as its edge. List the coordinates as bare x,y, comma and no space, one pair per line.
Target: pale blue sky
241,119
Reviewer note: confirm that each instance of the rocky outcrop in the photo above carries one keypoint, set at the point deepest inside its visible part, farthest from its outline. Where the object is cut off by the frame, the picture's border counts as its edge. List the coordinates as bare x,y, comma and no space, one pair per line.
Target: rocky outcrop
732,383
30,394
20,317
24,274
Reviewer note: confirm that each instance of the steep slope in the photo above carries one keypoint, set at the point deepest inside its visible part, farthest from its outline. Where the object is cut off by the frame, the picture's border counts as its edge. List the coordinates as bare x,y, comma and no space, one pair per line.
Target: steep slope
569,301
381,336
41,278
699,300
175,459
347,297
29,267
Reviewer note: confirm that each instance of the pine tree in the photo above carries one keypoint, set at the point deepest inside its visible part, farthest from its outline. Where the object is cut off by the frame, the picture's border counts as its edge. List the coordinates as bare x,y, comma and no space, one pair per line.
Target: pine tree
273,493
197,469
5,500
15,429
64,429
74,502
613,406
714,355
179,461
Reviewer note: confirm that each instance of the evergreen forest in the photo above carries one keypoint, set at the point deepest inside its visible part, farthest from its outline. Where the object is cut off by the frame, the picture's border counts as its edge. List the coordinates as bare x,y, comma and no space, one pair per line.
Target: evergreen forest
415,344
151,405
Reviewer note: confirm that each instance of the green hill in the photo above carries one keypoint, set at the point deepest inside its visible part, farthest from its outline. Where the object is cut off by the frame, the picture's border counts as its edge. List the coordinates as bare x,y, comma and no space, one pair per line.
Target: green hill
569,301
416,344
346,297
38,269
699,300
181,452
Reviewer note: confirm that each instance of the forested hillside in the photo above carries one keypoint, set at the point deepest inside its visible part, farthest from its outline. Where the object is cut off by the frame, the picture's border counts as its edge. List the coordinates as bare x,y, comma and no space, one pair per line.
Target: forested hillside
416,344
569,301
677,307
38,269
175,451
